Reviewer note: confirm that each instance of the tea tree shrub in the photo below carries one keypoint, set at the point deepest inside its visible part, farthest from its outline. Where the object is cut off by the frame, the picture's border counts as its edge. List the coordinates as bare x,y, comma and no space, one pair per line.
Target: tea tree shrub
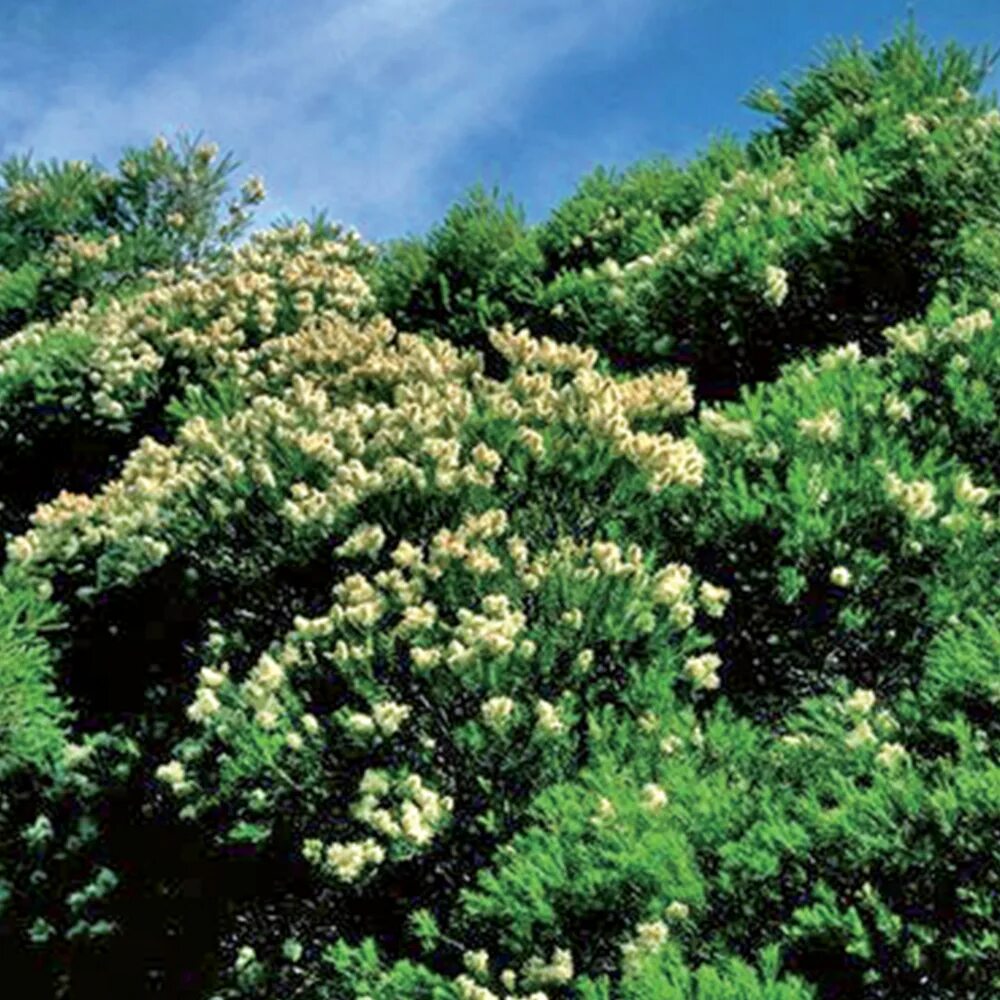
471,273
74,229
604,608
824,229
94,380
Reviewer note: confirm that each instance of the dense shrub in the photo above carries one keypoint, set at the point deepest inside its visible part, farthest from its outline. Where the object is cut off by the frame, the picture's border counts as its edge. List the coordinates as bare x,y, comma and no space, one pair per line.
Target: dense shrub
472,272
73,229
406,622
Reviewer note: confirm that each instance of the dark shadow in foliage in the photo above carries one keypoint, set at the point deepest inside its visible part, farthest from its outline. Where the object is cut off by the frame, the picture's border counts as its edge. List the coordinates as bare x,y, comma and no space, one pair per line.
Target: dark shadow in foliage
836,975
131,659
75,457
775,654
174,895
129,641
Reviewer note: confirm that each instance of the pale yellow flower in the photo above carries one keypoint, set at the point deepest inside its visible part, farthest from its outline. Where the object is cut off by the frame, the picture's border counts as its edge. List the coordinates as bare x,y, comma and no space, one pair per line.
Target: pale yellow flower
776,284
891,754
861,734
654,797
861,702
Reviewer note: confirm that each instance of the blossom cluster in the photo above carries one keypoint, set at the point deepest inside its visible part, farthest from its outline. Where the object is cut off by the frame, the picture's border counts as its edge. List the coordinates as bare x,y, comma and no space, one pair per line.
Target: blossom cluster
859,707
602,405
199,320
827,426
649,937
912,337
72,251
775,284
915,498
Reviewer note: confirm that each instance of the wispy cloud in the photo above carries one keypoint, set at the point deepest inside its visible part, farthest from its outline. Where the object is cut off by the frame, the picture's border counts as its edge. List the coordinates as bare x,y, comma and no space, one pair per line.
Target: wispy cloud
351,106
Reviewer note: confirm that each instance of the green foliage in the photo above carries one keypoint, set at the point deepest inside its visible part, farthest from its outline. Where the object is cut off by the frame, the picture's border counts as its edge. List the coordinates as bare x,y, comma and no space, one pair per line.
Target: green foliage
353,644
469,274
33,719
905,70
161,209
731,979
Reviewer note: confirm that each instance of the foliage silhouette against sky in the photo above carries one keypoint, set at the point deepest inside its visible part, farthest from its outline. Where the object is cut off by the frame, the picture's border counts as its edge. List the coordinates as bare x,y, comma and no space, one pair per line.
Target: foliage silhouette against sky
384,112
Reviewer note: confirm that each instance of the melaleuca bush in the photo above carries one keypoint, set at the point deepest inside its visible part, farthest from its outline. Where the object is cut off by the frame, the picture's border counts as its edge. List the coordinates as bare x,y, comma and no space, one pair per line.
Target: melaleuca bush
505,680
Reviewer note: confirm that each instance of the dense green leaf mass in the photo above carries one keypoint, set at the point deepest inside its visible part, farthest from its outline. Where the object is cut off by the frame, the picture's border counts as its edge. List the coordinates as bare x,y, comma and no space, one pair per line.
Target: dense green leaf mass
356,644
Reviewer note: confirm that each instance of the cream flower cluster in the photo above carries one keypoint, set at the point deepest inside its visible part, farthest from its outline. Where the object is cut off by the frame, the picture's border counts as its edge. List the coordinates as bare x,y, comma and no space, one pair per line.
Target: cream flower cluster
19,197
196,318
861,702
549,721
827,426
545,354
359,602
346,861
417,815
648,939
604,813
916,498
469,989
703,670
896,409
775,284
261,690
913,338
366,539
173,774
495,628
713,599
858,707
607,560
497,712
128,507
389,716
672,586
605,407
968,493
557,971
653,797
70,251
492,632
253,189
964,328
914,125
846,354
667,461
198,471
906,338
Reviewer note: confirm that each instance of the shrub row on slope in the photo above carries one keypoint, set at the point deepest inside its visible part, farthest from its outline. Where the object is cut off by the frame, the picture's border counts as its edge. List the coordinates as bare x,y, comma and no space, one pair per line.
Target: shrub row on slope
452,673
824,229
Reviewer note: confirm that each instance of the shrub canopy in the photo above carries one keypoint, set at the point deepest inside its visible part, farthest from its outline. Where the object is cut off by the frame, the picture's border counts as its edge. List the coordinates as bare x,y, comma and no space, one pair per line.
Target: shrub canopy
599,609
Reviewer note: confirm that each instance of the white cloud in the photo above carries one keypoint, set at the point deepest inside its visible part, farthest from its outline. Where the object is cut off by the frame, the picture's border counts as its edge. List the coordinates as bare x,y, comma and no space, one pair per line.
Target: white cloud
351,106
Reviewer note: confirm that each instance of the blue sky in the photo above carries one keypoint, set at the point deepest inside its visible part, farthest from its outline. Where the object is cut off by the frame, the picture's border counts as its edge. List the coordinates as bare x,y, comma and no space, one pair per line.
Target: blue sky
384,112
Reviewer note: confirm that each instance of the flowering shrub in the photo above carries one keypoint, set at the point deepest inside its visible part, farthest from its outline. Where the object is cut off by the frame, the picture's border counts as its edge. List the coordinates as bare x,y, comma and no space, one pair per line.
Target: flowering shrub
601,609
467,276
73,229
788,244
